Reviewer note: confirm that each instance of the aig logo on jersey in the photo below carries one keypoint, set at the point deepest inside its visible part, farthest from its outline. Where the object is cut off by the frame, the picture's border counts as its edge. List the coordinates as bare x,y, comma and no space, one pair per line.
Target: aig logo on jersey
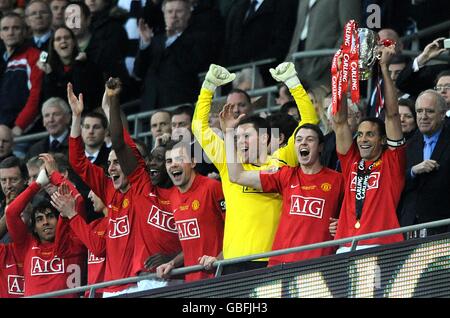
188,229
119,227
307,206
372,182
162,220
15,285
40,266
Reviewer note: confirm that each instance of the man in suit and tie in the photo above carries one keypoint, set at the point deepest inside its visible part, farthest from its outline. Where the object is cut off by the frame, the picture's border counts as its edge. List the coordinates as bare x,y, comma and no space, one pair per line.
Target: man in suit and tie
169,63
426,194
258,30
93,131
56,120
38,17
320,25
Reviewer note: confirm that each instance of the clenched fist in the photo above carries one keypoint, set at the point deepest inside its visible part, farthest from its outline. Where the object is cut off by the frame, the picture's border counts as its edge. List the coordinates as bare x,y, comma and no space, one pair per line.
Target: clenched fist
217,76
285,72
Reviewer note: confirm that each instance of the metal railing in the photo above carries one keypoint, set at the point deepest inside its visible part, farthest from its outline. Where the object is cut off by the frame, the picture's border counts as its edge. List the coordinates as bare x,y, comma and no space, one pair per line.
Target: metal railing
219,264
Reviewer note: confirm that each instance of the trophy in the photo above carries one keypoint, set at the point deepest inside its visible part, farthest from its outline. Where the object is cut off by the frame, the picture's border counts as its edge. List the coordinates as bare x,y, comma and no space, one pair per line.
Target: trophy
368,51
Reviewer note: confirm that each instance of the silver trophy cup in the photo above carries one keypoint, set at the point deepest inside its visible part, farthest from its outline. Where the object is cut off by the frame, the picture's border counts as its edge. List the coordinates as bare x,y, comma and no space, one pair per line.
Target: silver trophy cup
368,50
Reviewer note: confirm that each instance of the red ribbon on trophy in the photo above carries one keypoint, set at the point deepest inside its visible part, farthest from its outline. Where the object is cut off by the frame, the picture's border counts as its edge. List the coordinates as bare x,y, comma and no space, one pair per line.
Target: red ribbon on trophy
348,75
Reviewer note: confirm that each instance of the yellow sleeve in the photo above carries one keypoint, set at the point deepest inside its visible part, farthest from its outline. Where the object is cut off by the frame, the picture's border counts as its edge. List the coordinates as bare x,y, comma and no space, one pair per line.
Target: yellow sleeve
212,144
308,115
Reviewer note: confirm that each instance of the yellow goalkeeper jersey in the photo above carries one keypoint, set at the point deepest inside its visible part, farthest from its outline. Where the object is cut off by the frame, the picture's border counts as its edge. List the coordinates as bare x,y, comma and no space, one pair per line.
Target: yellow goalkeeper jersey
251,216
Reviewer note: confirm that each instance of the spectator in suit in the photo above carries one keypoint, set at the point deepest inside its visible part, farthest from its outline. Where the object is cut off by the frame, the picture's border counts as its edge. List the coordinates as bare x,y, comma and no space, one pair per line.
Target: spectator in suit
320,25
56,120
21,79
93,131
39,20
417,76
13,178
57,7
443,87
240,98
428,166
160,125
169,63
257,30
101,40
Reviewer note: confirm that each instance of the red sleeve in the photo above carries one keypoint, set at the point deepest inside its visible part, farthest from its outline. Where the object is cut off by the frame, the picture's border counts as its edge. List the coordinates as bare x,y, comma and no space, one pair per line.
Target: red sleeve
219,198
16,228
349,158
272,181
31,109
57,179
95,243
129,141
91,174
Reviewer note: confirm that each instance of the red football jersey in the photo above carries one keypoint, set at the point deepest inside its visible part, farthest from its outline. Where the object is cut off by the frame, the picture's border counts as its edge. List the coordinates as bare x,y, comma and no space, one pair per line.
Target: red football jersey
156,231
309,201
47,266
11,272
199,217
96,265
385,185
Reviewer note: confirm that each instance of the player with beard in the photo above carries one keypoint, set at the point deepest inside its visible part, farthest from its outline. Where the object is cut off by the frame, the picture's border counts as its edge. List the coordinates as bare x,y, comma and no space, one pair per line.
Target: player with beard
157,240
374,166
198,208
312,194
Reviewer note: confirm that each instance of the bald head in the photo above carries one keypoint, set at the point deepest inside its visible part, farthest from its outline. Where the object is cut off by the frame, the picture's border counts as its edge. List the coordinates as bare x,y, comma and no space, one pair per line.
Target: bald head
6,141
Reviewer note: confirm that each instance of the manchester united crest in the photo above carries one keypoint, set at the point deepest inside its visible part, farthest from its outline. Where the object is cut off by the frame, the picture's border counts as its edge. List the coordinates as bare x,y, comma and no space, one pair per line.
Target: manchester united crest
195,205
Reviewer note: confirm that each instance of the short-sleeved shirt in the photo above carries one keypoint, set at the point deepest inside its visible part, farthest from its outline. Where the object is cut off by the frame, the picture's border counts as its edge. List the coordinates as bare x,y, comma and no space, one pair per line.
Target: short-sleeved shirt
309,201
385,185
199,217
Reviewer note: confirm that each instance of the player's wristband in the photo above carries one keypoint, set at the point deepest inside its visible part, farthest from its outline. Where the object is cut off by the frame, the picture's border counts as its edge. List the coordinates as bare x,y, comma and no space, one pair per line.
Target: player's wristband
396,143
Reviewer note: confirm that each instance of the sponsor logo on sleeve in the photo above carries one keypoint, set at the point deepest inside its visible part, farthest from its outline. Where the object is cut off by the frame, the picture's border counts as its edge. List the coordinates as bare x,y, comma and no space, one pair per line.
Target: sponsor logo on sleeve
119,227
92,259
222,205
188,229
307,206
163,220
40,266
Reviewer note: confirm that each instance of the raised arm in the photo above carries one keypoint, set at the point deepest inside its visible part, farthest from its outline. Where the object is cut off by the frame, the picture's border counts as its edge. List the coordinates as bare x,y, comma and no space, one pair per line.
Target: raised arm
344,138
392,119
236,172
124,153
286,73
211,143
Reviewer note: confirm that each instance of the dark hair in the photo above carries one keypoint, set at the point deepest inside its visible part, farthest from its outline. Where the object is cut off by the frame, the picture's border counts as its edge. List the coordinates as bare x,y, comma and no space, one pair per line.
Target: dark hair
61,162
12,162
380,124
53,58
184,109
240,91
40,207
97,115
400,59
12,14
172,144
442,74
284,122
316,128
257,122
286,106
408,102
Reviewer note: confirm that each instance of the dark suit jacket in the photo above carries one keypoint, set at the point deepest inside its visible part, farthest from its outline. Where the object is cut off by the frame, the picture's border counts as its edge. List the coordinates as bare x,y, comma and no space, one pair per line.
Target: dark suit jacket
44,146
102,158
426,197
171,74
413,83
266,34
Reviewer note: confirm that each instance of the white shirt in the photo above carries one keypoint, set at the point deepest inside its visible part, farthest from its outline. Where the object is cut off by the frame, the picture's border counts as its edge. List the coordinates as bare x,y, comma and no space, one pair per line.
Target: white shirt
93,155
60,138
